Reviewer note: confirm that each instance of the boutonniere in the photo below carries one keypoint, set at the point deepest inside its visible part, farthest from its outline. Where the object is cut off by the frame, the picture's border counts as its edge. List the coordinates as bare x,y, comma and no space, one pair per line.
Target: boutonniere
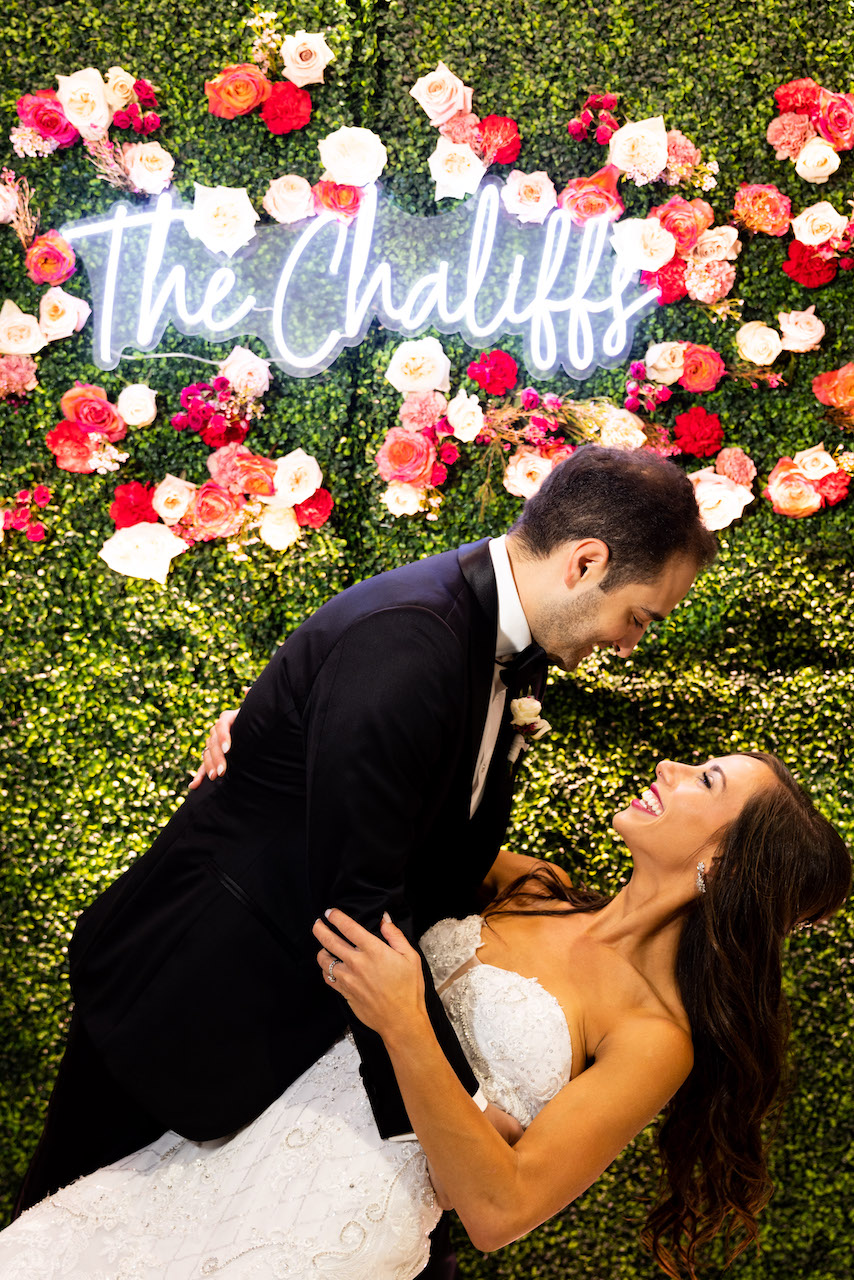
528,723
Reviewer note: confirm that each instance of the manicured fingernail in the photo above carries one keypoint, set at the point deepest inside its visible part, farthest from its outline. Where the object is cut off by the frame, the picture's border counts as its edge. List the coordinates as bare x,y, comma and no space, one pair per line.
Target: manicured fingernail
226,747
386,917
220,771
328,912
212,774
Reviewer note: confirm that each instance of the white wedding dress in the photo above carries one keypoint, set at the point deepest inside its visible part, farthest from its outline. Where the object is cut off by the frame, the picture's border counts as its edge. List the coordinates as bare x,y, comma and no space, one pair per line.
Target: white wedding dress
308,1189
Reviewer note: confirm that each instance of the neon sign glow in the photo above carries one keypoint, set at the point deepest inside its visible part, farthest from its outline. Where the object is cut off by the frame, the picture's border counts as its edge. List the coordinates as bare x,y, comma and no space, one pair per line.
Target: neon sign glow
312,289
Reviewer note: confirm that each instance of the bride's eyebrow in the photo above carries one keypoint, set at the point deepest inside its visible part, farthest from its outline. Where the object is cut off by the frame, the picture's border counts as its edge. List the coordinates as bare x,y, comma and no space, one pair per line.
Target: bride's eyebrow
716,768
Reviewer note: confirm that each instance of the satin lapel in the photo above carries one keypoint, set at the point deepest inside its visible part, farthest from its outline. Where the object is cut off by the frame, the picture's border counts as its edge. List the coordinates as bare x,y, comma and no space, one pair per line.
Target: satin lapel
476,567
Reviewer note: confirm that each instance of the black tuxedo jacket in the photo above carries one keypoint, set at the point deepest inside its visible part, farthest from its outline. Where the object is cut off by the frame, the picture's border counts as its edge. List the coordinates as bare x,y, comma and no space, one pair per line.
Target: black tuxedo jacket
348,785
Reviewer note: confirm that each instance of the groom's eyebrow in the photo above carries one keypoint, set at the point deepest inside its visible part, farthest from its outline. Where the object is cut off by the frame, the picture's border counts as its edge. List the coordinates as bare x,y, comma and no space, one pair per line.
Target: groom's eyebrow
651,614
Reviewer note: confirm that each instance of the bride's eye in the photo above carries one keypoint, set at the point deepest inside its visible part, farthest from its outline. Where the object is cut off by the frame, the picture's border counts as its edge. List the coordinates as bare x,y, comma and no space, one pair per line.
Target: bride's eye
707,782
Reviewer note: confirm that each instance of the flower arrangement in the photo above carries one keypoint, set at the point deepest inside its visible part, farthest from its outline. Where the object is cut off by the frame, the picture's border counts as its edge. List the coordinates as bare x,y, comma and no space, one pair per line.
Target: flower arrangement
21,515
814,125
644,151
802,485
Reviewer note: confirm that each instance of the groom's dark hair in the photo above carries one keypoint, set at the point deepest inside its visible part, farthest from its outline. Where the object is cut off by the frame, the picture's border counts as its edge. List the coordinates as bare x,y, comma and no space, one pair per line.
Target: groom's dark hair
641,506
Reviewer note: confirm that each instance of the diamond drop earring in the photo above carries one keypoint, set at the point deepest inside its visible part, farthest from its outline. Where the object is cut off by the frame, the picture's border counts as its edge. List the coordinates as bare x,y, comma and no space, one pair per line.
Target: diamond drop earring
701,877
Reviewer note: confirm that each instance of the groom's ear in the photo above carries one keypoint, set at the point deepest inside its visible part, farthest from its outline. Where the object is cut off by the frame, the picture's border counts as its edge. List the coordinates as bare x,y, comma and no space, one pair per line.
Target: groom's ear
586,563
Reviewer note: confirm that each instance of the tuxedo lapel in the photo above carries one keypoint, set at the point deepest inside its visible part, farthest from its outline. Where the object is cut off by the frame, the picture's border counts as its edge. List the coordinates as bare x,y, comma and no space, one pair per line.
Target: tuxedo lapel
476,567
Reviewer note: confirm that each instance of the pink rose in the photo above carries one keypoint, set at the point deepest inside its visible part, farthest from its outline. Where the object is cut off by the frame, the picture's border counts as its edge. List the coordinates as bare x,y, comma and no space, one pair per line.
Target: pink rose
407,457
42,111
441,94
50,259
833,117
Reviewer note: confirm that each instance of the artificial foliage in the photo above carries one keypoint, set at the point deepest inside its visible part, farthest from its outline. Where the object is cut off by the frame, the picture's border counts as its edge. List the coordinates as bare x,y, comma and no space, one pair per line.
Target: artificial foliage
109,683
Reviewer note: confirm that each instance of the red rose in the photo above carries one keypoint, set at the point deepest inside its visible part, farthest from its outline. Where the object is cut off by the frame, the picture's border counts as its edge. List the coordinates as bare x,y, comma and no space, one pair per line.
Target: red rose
315,511
287,108
132,505
42,111
218,430
71,445
698,432
500,141
670,279
88,405
834,488
807,267
495,373
216,513
702,368
798,95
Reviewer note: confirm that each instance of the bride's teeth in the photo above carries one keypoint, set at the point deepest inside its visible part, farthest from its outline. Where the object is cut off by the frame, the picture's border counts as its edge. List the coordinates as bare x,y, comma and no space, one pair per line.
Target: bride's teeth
652,802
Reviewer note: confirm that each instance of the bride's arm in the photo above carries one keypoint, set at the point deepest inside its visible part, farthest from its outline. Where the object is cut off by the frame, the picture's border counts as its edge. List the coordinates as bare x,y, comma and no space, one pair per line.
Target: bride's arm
501,1192
509,866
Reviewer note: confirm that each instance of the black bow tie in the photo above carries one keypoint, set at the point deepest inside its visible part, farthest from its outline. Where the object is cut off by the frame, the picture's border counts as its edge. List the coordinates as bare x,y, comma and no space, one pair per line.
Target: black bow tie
525,669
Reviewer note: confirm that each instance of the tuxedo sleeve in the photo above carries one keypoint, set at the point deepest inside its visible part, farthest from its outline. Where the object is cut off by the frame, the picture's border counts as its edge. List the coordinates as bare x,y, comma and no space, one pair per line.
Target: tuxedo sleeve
383,744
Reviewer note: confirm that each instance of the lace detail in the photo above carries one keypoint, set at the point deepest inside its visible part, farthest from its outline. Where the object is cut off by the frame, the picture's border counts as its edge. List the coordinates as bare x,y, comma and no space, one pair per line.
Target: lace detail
309,1189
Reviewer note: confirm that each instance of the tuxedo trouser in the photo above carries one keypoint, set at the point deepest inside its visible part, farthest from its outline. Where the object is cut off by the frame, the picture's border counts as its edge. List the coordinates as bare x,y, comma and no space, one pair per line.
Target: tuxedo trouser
442,1264
91,1121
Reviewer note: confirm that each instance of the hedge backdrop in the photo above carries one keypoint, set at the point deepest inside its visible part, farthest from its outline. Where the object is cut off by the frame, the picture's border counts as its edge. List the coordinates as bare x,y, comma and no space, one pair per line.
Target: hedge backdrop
109,682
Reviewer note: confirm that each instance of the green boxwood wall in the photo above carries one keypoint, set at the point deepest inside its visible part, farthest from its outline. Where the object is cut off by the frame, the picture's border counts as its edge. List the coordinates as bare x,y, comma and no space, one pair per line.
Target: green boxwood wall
108,683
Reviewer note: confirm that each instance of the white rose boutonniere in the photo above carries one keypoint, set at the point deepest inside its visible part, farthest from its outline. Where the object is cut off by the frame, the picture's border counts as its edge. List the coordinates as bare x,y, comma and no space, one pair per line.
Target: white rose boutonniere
528,723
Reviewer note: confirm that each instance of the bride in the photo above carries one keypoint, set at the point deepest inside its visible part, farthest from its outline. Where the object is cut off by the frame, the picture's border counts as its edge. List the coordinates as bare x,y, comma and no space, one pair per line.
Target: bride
583,1016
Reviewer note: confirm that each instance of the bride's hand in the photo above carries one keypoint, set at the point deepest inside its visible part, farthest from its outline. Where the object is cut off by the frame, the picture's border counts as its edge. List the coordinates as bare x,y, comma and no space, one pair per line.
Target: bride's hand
213,757
382,981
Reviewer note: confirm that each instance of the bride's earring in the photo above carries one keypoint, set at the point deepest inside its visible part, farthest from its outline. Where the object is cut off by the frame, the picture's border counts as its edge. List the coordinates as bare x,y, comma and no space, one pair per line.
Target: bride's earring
701,877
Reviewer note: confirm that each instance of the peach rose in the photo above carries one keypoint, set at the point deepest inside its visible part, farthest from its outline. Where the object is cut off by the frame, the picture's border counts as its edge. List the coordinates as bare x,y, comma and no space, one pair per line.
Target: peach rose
61,314
684,219
817,161
407,457
172,498
640,148
403,499
352,156
216,513
815,463
237,90
304,58
50,259
255,475
88,406
719,498
20,334
289,199
419,365
801,330
643,243
297,477
758,343
818,223
222,218
465,415
530,196
836,387
143,551
716,244
455,169
148,166
83,98
790,492
702,368
593,197
762,207
526,471
279,527
137,404
248,374
664,362
622,430
118,87
441,94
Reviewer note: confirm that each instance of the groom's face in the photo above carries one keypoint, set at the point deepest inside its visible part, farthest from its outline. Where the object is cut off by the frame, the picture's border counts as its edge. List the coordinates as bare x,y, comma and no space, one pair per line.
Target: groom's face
579,620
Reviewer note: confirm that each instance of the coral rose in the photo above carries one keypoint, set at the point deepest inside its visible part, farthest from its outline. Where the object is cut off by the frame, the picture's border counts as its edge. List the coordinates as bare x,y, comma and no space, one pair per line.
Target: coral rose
593,197
72,447
684,219
790,492
88,405
287,108
216,513
762,207
340,199
255,475
237,90
836,387
702,368
50,259
406,457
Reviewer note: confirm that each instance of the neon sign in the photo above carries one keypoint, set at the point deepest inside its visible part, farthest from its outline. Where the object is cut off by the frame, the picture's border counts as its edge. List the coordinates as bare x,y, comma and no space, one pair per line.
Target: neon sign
311,289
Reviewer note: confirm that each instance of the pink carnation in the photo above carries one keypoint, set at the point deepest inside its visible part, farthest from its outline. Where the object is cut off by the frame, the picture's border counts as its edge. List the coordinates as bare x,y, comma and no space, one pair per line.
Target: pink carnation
788,134
709,281
682,157
422,410
463,128
17,375
736,464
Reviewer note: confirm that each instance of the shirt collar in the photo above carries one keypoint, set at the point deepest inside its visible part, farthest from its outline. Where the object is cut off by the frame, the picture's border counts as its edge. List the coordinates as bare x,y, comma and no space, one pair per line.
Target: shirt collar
514,634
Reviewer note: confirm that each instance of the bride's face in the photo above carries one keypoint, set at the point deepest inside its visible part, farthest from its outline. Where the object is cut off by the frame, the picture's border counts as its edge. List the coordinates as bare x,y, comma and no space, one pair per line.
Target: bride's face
676,818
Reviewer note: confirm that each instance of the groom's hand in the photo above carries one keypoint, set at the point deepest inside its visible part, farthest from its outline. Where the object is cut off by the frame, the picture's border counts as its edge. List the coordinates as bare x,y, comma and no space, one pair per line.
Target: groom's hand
213,757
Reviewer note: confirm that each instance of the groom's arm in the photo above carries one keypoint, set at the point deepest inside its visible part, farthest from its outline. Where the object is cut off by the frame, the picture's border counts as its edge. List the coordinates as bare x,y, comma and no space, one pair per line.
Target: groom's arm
383,733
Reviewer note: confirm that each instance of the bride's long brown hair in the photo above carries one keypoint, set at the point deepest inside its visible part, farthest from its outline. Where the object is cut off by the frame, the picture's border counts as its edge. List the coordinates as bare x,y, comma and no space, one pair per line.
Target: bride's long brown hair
779,864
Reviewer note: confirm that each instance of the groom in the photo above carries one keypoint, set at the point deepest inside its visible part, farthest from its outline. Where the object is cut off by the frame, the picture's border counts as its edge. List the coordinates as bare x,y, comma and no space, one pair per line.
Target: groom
370,769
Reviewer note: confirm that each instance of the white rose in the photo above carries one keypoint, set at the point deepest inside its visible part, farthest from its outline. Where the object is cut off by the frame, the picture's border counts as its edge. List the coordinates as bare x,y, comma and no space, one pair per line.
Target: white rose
279,527
289,199
304,57
137,405
643,243
801,330
455,169
143,551
297,477
525,710
119,87
246,372
815,463
466,416
640,149
719,498
716,244
526,471
352,157
665,362
816,161
441,94
83,98
172,497
148,165
61,314
20,334
8,202
622,430
221,217
531,196
403,499
758,343
818,223
419,365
